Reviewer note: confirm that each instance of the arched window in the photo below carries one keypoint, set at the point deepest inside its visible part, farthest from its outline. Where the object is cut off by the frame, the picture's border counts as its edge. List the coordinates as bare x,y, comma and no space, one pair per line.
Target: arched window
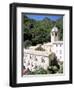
56,45
36,59
42,60
55,33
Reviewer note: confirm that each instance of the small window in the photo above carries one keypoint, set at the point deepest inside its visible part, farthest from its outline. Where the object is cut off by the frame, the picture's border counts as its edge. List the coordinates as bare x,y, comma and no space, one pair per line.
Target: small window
35,67
56,45
43,61
30,56
55,33
60,45
32,65
23,67
60,57
24,61
36,59
28,63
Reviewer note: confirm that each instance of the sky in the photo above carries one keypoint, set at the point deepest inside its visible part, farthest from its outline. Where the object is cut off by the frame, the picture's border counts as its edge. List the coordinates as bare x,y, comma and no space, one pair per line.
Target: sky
41,17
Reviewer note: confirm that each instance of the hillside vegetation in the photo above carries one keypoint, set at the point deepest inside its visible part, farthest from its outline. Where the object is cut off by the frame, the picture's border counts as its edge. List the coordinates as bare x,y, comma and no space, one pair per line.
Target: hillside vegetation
38,31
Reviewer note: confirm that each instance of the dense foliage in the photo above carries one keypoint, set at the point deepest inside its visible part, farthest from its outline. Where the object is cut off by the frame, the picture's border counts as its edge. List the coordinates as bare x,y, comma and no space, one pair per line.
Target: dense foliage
38,31
54,66
40,71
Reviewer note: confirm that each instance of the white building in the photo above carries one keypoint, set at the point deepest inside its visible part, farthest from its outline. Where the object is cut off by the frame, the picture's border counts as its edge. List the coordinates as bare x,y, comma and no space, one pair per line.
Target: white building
33,59
54,34
55,45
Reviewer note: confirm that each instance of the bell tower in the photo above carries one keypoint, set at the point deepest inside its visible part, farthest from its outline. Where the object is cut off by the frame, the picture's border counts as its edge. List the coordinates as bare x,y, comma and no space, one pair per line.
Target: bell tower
54,34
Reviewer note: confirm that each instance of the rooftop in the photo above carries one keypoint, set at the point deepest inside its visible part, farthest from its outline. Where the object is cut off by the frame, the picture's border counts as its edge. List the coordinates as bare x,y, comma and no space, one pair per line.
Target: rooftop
54,29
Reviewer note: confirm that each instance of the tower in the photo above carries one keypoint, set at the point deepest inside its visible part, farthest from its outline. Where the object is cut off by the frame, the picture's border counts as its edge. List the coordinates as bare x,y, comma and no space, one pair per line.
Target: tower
54,34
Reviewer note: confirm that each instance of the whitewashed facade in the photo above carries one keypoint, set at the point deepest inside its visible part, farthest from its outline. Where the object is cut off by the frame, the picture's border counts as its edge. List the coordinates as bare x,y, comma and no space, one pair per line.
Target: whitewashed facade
33,59
54,34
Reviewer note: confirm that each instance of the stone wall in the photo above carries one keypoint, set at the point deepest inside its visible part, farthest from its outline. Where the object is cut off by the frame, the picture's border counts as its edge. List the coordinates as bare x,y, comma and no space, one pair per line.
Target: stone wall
33,59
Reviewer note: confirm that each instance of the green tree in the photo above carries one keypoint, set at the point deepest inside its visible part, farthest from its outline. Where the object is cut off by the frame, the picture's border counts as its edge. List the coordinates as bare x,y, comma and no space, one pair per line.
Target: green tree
38,31
40,70
53,63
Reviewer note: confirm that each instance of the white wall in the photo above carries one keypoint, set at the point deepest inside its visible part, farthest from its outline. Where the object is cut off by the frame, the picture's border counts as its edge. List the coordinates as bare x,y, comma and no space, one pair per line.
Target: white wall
30,57
4,43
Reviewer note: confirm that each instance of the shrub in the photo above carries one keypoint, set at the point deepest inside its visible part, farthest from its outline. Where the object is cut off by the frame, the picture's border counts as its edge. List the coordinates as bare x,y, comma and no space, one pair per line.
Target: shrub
27,43
52,69
52,59
61,68
40,70
39,48
53,64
